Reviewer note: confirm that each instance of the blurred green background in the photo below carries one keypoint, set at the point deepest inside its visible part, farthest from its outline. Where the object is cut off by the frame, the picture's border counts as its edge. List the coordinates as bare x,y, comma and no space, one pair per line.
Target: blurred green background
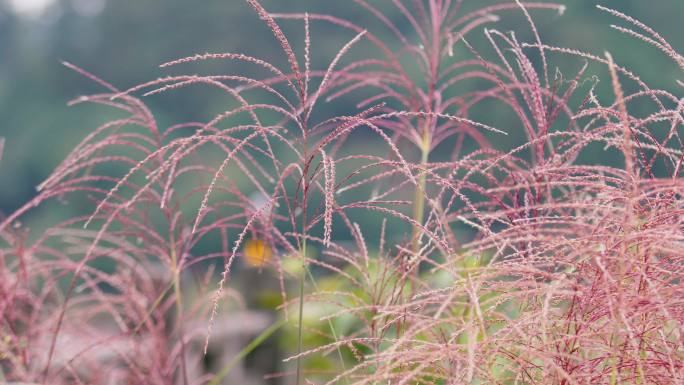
123,41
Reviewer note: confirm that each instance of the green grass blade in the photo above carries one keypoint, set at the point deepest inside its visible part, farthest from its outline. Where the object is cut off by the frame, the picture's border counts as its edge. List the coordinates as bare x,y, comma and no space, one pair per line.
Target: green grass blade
244,352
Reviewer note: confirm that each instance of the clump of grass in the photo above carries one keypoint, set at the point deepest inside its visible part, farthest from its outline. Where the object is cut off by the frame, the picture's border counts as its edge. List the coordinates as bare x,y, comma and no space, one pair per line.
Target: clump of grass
510,265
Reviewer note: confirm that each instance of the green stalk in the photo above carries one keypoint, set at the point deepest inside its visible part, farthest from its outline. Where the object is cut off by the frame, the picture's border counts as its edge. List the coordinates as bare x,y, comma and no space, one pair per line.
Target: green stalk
300,335
244,352
419,197
302,277
331,326
179,307
155,304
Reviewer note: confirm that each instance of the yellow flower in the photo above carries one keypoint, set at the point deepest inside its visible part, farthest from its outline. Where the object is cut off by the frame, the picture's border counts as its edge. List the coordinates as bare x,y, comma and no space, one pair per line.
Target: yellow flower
257,252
